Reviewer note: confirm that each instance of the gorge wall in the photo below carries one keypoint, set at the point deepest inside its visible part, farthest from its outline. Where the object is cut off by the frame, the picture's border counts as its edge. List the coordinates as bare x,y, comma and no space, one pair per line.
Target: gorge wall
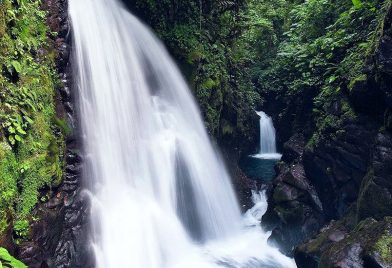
48,226
321,69
333,191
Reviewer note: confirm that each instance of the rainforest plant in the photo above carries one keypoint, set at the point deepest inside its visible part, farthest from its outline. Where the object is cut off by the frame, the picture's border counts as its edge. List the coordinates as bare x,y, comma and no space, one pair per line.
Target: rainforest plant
30,142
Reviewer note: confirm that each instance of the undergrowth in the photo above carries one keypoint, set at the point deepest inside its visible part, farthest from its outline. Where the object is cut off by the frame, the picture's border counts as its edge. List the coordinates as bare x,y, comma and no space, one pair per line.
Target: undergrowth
31,144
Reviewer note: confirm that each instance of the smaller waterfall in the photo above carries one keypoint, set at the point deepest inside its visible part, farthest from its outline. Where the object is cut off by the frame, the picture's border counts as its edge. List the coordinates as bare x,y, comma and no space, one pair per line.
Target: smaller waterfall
267,138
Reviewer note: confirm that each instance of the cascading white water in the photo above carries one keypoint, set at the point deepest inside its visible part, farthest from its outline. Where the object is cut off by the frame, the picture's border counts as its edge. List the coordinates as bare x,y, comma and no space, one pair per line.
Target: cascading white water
267,138
161,196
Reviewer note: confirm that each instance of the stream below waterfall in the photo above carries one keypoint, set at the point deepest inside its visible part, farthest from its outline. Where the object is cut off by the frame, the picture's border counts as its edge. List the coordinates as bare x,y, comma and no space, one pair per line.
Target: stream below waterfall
161,195
261,166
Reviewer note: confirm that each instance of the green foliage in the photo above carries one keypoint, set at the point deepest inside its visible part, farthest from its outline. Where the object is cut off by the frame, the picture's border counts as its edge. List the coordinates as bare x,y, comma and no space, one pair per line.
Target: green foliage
30,138
357,3
235,51
324,50
211,41
6,260
383,247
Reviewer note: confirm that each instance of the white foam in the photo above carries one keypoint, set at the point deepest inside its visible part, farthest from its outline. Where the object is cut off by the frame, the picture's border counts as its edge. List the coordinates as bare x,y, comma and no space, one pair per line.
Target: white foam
161,195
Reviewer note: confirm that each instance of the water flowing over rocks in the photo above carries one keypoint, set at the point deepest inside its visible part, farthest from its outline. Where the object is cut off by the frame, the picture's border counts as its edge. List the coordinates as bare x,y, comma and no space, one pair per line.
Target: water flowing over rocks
161,195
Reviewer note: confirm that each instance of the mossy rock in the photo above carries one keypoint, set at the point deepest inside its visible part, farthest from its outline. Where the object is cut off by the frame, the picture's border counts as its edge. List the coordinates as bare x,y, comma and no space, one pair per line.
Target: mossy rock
343,244
285,193
290,213
309,254
374,200
382,249
368,245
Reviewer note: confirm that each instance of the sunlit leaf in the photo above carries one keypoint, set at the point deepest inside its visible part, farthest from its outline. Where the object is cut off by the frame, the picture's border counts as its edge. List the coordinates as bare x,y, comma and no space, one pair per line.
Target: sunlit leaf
17,66
357,3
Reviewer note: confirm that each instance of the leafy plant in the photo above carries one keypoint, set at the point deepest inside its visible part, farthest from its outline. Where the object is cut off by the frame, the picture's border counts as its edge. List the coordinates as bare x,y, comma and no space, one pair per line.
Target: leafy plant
6,260
30,141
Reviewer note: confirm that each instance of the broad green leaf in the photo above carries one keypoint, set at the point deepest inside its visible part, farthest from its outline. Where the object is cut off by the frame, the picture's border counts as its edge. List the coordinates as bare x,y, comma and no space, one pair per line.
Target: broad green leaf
28,119
17,66
357,3
7,258
12,140
21,130
18,138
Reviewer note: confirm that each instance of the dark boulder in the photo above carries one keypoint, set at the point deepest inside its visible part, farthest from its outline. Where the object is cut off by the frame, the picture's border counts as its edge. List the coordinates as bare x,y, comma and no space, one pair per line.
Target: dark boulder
337,166
367,245
295,211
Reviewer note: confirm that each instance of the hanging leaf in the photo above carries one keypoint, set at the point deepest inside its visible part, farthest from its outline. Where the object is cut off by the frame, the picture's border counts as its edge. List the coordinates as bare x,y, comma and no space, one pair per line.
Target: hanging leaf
21,130
357,3
18,138
11,130
28,119
11,140
17,66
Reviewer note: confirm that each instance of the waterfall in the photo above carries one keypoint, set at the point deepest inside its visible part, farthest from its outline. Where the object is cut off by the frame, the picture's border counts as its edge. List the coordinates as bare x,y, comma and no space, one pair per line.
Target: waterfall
161,196
267,138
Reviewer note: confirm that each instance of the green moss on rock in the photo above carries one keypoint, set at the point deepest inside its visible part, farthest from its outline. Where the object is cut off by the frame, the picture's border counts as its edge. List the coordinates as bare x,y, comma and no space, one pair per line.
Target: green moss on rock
31,143
374,200
340,246
383,248
292,214
358,81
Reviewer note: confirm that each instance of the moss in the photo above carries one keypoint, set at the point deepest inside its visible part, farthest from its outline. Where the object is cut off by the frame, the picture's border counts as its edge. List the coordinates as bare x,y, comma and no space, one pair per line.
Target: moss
313,141
31,142
383,248
374,238
208,84
213,50
357,80
314,246
347,110
373,200
8,183
63,125
227,128
292,214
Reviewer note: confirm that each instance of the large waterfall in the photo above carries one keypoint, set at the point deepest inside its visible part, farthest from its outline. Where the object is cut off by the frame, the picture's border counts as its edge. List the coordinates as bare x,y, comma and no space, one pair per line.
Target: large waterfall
161,196
267,138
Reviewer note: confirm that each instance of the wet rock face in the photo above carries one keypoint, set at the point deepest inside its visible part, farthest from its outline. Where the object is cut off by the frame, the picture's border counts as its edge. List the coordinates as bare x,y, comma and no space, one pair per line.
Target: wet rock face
351,241
243,186
341,182
295,211
375,198
59,238
341,177
336,167
367,245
